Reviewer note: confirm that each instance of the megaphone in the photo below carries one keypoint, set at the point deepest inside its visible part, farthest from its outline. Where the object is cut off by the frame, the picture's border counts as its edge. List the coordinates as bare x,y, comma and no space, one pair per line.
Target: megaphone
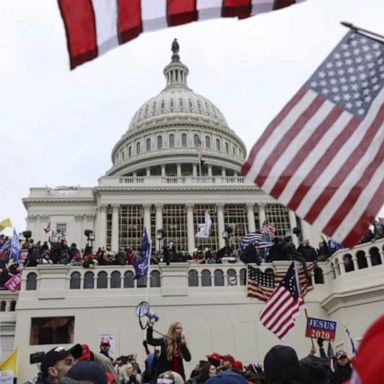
143,309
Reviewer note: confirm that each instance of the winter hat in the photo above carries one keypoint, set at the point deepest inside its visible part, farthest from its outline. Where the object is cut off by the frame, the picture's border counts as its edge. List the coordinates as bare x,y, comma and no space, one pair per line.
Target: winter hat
314,370
88,371
227,377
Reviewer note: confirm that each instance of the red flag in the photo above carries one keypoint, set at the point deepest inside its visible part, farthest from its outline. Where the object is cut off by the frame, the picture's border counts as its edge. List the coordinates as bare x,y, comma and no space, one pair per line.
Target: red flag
323,155
280,311
94,27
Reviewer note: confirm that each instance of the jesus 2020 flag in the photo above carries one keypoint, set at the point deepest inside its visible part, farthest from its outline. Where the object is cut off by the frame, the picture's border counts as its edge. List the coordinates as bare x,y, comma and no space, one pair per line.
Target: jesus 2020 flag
322,156
93,27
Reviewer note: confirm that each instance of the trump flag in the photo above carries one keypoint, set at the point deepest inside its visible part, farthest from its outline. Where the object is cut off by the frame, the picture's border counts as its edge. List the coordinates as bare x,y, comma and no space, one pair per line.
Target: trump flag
93,27
322,156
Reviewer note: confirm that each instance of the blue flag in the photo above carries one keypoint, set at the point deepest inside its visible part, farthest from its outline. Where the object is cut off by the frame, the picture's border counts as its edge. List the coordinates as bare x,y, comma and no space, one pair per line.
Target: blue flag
351,341
330,352
15,247
141,264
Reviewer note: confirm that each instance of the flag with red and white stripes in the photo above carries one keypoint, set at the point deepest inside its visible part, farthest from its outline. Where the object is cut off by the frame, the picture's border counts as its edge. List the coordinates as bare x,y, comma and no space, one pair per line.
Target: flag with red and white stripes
323,154
280,311
93,27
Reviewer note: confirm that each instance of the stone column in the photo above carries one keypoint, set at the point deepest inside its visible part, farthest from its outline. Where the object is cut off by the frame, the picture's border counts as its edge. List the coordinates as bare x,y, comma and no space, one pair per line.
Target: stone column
210,170
101,234
262,216
293,224
115,228
178,170
220,224
190,229
223,172
163,171
251,218
194,170
159,222
147,218
148,171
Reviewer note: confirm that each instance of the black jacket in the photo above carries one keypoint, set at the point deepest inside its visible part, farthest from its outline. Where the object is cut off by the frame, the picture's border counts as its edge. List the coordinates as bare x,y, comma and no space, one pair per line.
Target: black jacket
163,364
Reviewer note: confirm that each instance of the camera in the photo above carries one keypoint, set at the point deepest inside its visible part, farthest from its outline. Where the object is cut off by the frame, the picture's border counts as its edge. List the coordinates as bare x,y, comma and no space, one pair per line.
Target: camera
36,357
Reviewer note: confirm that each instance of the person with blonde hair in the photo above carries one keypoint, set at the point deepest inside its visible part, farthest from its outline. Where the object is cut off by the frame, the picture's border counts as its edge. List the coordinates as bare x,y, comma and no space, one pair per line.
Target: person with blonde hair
173,349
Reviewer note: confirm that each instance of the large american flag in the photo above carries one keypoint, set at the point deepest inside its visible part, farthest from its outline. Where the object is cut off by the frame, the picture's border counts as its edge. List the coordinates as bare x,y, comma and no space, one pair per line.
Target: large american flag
280,311
323,154
93,27
261,284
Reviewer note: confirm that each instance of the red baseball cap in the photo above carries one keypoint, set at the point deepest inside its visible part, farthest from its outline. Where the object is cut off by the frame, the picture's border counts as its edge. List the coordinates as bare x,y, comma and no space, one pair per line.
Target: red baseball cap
86,354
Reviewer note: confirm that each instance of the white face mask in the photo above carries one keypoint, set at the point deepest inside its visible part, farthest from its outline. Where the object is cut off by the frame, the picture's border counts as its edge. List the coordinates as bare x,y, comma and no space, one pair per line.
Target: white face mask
164,381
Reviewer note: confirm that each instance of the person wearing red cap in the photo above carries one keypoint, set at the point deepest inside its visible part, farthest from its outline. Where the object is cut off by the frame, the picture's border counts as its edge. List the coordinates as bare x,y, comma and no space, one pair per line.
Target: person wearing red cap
105,346
343,368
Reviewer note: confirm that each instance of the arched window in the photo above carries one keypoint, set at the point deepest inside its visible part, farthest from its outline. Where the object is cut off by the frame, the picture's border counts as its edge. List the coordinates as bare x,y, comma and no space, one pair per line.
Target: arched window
361,260
75,281
226,147
129,282
138,148
159,142
129,151
89,280
375,256
218,278
102,280
148,144
231,277
13,306
348,263
218,146
196,140
142,282
243,276
184,140
155,279
207,142
115,279
318,275
193,278
171,140
206,279
31,282
3,305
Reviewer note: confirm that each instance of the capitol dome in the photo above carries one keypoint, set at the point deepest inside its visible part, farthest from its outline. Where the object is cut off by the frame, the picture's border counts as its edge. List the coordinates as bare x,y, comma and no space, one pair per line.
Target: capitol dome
171,127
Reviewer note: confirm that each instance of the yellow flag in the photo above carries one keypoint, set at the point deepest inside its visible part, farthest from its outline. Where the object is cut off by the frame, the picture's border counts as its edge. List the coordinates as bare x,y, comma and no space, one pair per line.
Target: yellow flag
10,363
5,224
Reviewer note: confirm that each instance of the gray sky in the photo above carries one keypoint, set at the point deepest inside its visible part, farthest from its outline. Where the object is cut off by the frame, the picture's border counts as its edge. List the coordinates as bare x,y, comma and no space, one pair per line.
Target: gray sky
58,126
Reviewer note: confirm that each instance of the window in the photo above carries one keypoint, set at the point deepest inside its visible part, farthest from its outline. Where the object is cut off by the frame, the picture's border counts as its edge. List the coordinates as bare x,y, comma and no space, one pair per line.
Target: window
148,144
89,280
207,142
159,142
361,260
129,282
13,306
184,140
175,224
235,216
206,280
227,147
171,140
196,140
219,278
375,256
319,277
155,279
138,149
348,263
243,276
31,281
193,278
218,147
129,151
130,226
75,280
61,228
115,279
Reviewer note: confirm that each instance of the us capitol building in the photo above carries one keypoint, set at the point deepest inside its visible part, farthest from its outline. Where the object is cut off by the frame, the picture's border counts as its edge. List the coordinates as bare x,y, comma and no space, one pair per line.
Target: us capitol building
156,181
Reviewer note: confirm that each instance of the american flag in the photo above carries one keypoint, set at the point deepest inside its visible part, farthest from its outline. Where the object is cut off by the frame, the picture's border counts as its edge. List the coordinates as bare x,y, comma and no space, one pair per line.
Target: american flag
323,154
330,352
258,240
280,311
93,27
268,229
261,284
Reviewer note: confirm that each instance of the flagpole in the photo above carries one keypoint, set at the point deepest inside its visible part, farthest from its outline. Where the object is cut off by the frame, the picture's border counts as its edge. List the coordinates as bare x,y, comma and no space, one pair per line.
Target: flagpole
355,27
305,307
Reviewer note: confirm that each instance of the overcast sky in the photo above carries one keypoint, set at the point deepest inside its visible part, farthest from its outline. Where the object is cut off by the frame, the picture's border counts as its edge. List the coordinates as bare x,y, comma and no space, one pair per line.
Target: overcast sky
58,126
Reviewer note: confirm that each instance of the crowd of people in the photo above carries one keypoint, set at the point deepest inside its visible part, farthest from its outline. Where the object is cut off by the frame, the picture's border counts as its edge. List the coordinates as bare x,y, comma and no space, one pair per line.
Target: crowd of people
165,364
